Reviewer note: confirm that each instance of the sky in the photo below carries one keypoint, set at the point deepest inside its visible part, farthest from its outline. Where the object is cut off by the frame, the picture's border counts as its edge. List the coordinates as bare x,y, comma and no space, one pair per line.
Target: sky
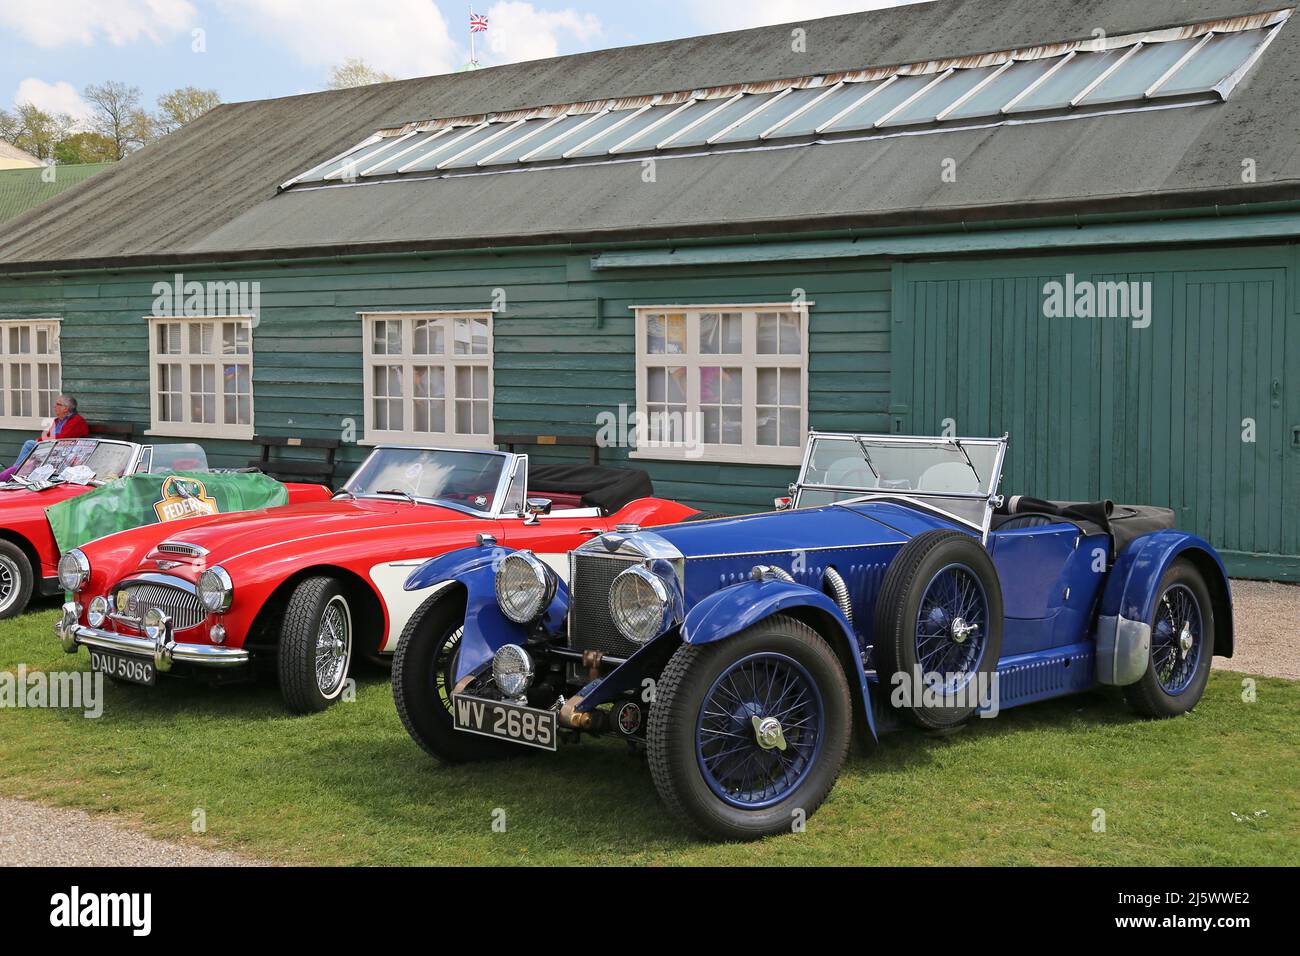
50,50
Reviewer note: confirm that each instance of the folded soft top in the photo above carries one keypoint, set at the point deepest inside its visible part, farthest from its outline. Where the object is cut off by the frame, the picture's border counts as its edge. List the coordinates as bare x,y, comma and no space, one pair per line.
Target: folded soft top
597,486
1124,523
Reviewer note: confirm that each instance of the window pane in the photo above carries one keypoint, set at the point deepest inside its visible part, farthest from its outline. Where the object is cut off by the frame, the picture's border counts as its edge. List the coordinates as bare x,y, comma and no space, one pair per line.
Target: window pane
464,418
389,161
480,378
429,335
352,163
778,334
655,385
1068,82
570,132
639,131
791,392
666,334
1139,72
522,134
722,119
753,128
234,338
1009,84
720,334
676,383
471,336
480,418
790,437
768,426
388,337
926,108
806,123
865,115
446,147
769,388
1214,63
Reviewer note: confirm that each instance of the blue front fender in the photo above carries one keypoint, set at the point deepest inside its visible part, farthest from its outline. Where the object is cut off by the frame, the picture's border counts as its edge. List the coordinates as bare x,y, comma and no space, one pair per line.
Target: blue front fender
487,630
733,609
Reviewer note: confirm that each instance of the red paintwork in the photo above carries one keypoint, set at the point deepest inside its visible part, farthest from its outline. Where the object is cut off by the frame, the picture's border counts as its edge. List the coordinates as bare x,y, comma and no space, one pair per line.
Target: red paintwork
262,549
22,517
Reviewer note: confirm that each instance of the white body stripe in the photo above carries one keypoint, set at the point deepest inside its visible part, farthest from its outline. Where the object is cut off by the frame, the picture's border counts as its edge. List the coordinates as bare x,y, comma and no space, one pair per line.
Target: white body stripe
389,578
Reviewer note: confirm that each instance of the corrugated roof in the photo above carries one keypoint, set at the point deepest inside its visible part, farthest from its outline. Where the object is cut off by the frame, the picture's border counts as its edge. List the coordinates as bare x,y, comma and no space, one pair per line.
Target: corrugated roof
23,189
210,189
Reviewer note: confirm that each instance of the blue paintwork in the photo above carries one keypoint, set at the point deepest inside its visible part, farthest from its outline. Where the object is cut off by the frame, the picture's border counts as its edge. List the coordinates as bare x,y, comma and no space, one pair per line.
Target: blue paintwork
487,630
731,610
1133,585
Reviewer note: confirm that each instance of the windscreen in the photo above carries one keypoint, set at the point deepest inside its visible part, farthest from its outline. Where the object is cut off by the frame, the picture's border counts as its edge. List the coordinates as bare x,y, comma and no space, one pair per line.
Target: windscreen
468,479
79,460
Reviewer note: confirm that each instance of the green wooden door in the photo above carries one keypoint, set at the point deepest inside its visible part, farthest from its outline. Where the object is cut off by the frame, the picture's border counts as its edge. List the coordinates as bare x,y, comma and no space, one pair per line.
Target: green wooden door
1188,407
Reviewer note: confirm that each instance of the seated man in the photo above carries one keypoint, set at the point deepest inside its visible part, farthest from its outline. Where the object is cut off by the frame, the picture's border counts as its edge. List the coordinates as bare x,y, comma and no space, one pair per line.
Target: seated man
65,424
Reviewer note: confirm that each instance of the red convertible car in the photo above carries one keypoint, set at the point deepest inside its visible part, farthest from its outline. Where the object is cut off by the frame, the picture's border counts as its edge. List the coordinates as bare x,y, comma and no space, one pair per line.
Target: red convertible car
306,588
64,468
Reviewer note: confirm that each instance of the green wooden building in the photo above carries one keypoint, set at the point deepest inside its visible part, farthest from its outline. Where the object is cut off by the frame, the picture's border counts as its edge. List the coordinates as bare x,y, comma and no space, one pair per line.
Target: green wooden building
1076,223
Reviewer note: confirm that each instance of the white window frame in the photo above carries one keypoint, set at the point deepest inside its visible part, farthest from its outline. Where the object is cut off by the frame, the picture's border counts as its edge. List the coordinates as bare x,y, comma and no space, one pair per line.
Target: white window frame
748,360
32,359
407,435
187,428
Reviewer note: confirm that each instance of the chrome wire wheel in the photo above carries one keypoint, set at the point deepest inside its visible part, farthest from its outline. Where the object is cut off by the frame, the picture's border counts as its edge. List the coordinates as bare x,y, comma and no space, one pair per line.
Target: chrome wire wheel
950,626
8,583
333,646
1177,639
444,667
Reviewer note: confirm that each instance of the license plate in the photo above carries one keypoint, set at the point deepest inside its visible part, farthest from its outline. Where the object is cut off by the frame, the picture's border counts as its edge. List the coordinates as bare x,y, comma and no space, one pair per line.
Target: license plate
136,670
513,722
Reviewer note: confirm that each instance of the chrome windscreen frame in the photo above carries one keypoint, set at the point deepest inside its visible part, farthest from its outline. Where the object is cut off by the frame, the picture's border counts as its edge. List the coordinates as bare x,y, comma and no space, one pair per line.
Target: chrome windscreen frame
929,501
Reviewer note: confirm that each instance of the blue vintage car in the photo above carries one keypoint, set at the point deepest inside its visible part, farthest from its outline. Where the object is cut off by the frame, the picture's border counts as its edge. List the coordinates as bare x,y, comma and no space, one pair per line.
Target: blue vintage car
895,584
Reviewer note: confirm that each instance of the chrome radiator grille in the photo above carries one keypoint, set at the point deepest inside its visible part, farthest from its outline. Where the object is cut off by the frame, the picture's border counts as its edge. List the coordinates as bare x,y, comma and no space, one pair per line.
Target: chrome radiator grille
181,605
591,628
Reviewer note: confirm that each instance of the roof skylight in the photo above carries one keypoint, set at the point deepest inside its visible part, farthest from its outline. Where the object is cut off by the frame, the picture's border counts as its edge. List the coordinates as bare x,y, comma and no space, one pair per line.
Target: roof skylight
1181,66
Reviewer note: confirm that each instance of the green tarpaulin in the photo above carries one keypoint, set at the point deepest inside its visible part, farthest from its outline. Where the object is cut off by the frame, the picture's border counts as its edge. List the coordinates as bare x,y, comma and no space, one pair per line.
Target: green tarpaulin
150,499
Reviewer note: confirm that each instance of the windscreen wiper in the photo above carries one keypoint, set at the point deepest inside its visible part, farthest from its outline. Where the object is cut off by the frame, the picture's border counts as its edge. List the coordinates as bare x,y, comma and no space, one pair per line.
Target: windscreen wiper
866,456
970,464
405,494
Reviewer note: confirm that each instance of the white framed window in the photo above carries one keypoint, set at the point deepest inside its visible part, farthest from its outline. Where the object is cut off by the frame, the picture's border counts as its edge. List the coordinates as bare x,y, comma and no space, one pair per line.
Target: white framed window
31,372
722,382
201,377
428,378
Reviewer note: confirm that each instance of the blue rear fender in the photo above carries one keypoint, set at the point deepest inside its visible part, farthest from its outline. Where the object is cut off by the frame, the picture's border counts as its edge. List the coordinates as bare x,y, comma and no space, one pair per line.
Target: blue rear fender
1129,600
727,612
472,571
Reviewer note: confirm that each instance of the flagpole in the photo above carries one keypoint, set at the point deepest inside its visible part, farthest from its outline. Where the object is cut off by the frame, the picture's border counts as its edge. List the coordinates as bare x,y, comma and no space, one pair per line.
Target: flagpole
473,57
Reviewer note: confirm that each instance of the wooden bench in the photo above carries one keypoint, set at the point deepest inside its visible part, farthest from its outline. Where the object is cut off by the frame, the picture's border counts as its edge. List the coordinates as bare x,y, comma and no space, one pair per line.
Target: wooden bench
579,441
297,469
122,430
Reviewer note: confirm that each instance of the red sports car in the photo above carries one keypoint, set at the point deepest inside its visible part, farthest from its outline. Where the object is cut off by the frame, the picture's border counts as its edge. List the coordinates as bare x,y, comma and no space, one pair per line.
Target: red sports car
62,469
306,588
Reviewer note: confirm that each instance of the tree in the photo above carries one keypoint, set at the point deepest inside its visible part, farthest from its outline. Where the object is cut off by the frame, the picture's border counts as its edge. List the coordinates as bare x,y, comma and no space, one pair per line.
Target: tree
118,116
85,148
182,106
355,71
33,129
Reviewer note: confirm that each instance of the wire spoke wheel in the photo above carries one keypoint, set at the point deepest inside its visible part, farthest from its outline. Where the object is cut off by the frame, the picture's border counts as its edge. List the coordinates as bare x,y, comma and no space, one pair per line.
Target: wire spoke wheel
1177,639
759,730
951,626
333,645
443,674
8,583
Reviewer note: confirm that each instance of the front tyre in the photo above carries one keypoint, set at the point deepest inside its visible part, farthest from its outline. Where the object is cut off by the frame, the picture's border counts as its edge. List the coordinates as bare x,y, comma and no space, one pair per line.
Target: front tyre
1182,643
747,736
16,580
424,674
316,644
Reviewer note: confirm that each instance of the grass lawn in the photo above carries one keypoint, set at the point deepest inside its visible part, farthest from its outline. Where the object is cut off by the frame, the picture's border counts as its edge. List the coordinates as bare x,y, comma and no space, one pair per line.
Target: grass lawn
349,786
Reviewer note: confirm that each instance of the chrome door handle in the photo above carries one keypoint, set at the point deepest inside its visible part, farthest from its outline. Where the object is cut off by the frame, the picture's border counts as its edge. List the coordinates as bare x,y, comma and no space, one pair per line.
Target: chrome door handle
590,531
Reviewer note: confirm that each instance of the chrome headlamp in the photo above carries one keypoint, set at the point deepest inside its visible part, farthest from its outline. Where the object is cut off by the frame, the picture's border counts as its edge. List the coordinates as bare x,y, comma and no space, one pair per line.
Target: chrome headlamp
524,586
642,604
155,624
74,570
512,669
97,611
215,589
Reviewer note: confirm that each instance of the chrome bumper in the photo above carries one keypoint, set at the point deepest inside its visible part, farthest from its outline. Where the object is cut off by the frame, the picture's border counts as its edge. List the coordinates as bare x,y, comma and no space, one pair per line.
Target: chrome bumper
164,651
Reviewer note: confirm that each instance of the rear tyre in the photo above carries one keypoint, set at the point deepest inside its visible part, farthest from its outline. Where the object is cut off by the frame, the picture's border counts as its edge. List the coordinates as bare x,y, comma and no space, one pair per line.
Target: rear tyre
316,645
1182,644
424,673
746,737
16,580
939,612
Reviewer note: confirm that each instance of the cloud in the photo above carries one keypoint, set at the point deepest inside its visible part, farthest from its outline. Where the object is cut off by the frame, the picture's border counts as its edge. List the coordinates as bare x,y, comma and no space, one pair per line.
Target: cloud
721,15
59,97
401,37
54,23
519,31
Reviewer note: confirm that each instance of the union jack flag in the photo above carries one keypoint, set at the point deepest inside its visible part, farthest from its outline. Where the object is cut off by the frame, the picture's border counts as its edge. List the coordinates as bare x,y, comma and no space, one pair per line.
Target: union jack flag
477,22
